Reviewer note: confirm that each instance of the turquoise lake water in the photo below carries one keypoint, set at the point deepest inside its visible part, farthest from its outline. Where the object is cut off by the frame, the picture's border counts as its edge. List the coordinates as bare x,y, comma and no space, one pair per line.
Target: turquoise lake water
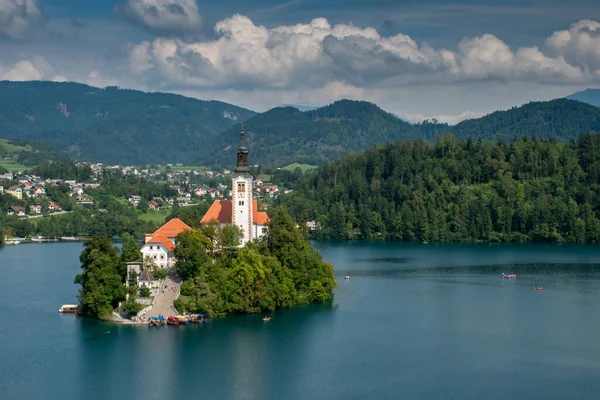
414,321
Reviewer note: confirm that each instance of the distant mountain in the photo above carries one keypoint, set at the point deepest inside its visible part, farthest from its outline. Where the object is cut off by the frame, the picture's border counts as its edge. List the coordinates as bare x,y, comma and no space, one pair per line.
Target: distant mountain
113,125
285,135
560,119
590,96
299,107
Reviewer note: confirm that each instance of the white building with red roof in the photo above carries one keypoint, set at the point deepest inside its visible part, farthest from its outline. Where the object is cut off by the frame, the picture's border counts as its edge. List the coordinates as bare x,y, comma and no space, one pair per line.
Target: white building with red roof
160,245
241,210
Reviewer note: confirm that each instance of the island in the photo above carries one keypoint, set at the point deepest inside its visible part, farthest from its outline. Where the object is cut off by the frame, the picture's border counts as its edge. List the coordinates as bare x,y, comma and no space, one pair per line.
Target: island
240,260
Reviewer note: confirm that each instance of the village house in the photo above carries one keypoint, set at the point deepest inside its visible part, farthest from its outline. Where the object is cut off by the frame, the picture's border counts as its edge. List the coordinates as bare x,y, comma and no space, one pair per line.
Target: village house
18,210
36,209
6,177
135,200
183,200
37,191
313,225
53,207
1,189
78,190
153,205
145,278
15,191
199,192
26,187
242,210
159,246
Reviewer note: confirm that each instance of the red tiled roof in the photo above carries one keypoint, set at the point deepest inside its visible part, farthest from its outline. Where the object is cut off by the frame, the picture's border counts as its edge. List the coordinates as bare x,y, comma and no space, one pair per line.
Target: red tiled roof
220,211
172,228
259,217
162,239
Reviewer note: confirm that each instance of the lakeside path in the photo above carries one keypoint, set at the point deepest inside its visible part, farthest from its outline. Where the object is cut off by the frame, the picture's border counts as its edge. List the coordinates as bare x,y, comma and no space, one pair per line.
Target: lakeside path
163,303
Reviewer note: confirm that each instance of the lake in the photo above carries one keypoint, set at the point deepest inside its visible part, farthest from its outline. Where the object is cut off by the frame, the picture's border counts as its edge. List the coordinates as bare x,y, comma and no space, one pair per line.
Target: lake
415,321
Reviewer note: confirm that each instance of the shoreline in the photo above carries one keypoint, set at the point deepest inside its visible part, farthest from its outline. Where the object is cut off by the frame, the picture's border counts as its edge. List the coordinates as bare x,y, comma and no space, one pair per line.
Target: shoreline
64,239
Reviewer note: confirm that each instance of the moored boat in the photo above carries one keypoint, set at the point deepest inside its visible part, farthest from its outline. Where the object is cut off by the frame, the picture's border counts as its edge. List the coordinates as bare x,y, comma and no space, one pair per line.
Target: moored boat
538,288
68,308
183,320
509,275
171,320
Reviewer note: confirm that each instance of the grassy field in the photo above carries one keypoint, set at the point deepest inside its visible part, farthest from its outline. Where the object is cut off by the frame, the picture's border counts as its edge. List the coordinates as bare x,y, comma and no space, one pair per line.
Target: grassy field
11,165
265,177
12,151
155,216
303,167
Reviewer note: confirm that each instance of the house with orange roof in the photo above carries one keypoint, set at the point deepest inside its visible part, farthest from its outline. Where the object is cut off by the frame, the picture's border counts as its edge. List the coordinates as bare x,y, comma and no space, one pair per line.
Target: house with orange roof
242,210
160,245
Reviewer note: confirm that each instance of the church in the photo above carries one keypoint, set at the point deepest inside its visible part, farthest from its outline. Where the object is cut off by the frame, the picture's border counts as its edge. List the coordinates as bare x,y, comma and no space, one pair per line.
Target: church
241,210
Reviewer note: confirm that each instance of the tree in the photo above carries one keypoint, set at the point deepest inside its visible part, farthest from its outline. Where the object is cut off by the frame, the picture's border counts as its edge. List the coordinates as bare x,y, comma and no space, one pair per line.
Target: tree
144,291
129,248
101,284
190,253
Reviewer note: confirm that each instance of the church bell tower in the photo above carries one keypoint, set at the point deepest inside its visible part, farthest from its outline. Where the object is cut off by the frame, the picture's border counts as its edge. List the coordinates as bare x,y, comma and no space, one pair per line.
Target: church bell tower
241,193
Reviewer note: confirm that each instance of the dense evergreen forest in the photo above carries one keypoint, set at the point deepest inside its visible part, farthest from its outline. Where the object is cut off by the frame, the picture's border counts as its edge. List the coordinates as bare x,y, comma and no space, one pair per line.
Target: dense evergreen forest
521,190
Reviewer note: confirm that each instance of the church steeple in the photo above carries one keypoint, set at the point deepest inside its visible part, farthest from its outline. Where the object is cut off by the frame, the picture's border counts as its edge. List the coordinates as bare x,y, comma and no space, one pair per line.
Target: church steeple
242,156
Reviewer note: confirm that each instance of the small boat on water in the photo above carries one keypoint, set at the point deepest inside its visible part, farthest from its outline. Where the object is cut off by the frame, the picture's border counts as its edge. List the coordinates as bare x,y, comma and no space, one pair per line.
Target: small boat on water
538,288
196,318
183,320
171,320
509,275
156,321
68,308
12,242
266,319
347,277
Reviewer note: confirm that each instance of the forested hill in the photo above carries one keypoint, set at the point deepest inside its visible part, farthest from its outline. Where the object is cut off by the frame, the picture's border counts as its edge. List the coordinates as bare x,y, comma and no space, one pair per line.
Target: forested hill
561,119
285,135
590,96
524,190
113,125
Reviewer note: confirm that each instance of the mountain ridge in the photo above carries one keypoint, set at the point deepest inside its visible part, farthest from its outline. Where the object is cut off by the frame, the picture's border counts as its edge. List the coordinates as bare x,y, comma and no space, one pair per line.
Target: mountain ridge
284,135
85,120
589,96
125,126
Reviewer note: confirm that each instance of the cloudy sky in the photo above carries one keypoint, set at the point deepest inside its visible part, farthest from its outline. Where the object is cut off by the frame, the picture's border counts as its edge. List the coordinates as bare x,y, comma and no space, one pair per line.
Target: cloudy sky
416,58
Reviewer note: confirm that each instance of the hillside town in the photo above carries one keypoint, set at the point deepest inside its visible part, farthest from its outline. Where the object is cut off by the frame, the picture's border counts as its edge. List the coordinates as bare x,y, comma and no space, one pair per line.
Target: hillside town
27,195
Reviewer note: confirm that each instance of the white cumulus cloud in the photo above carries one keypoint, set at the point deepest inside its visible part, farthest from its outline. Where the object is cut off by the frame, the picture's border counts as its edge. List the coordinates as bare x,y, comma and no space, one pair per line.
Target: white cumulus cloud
34,69
18,17
165,15
313,55
580,45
